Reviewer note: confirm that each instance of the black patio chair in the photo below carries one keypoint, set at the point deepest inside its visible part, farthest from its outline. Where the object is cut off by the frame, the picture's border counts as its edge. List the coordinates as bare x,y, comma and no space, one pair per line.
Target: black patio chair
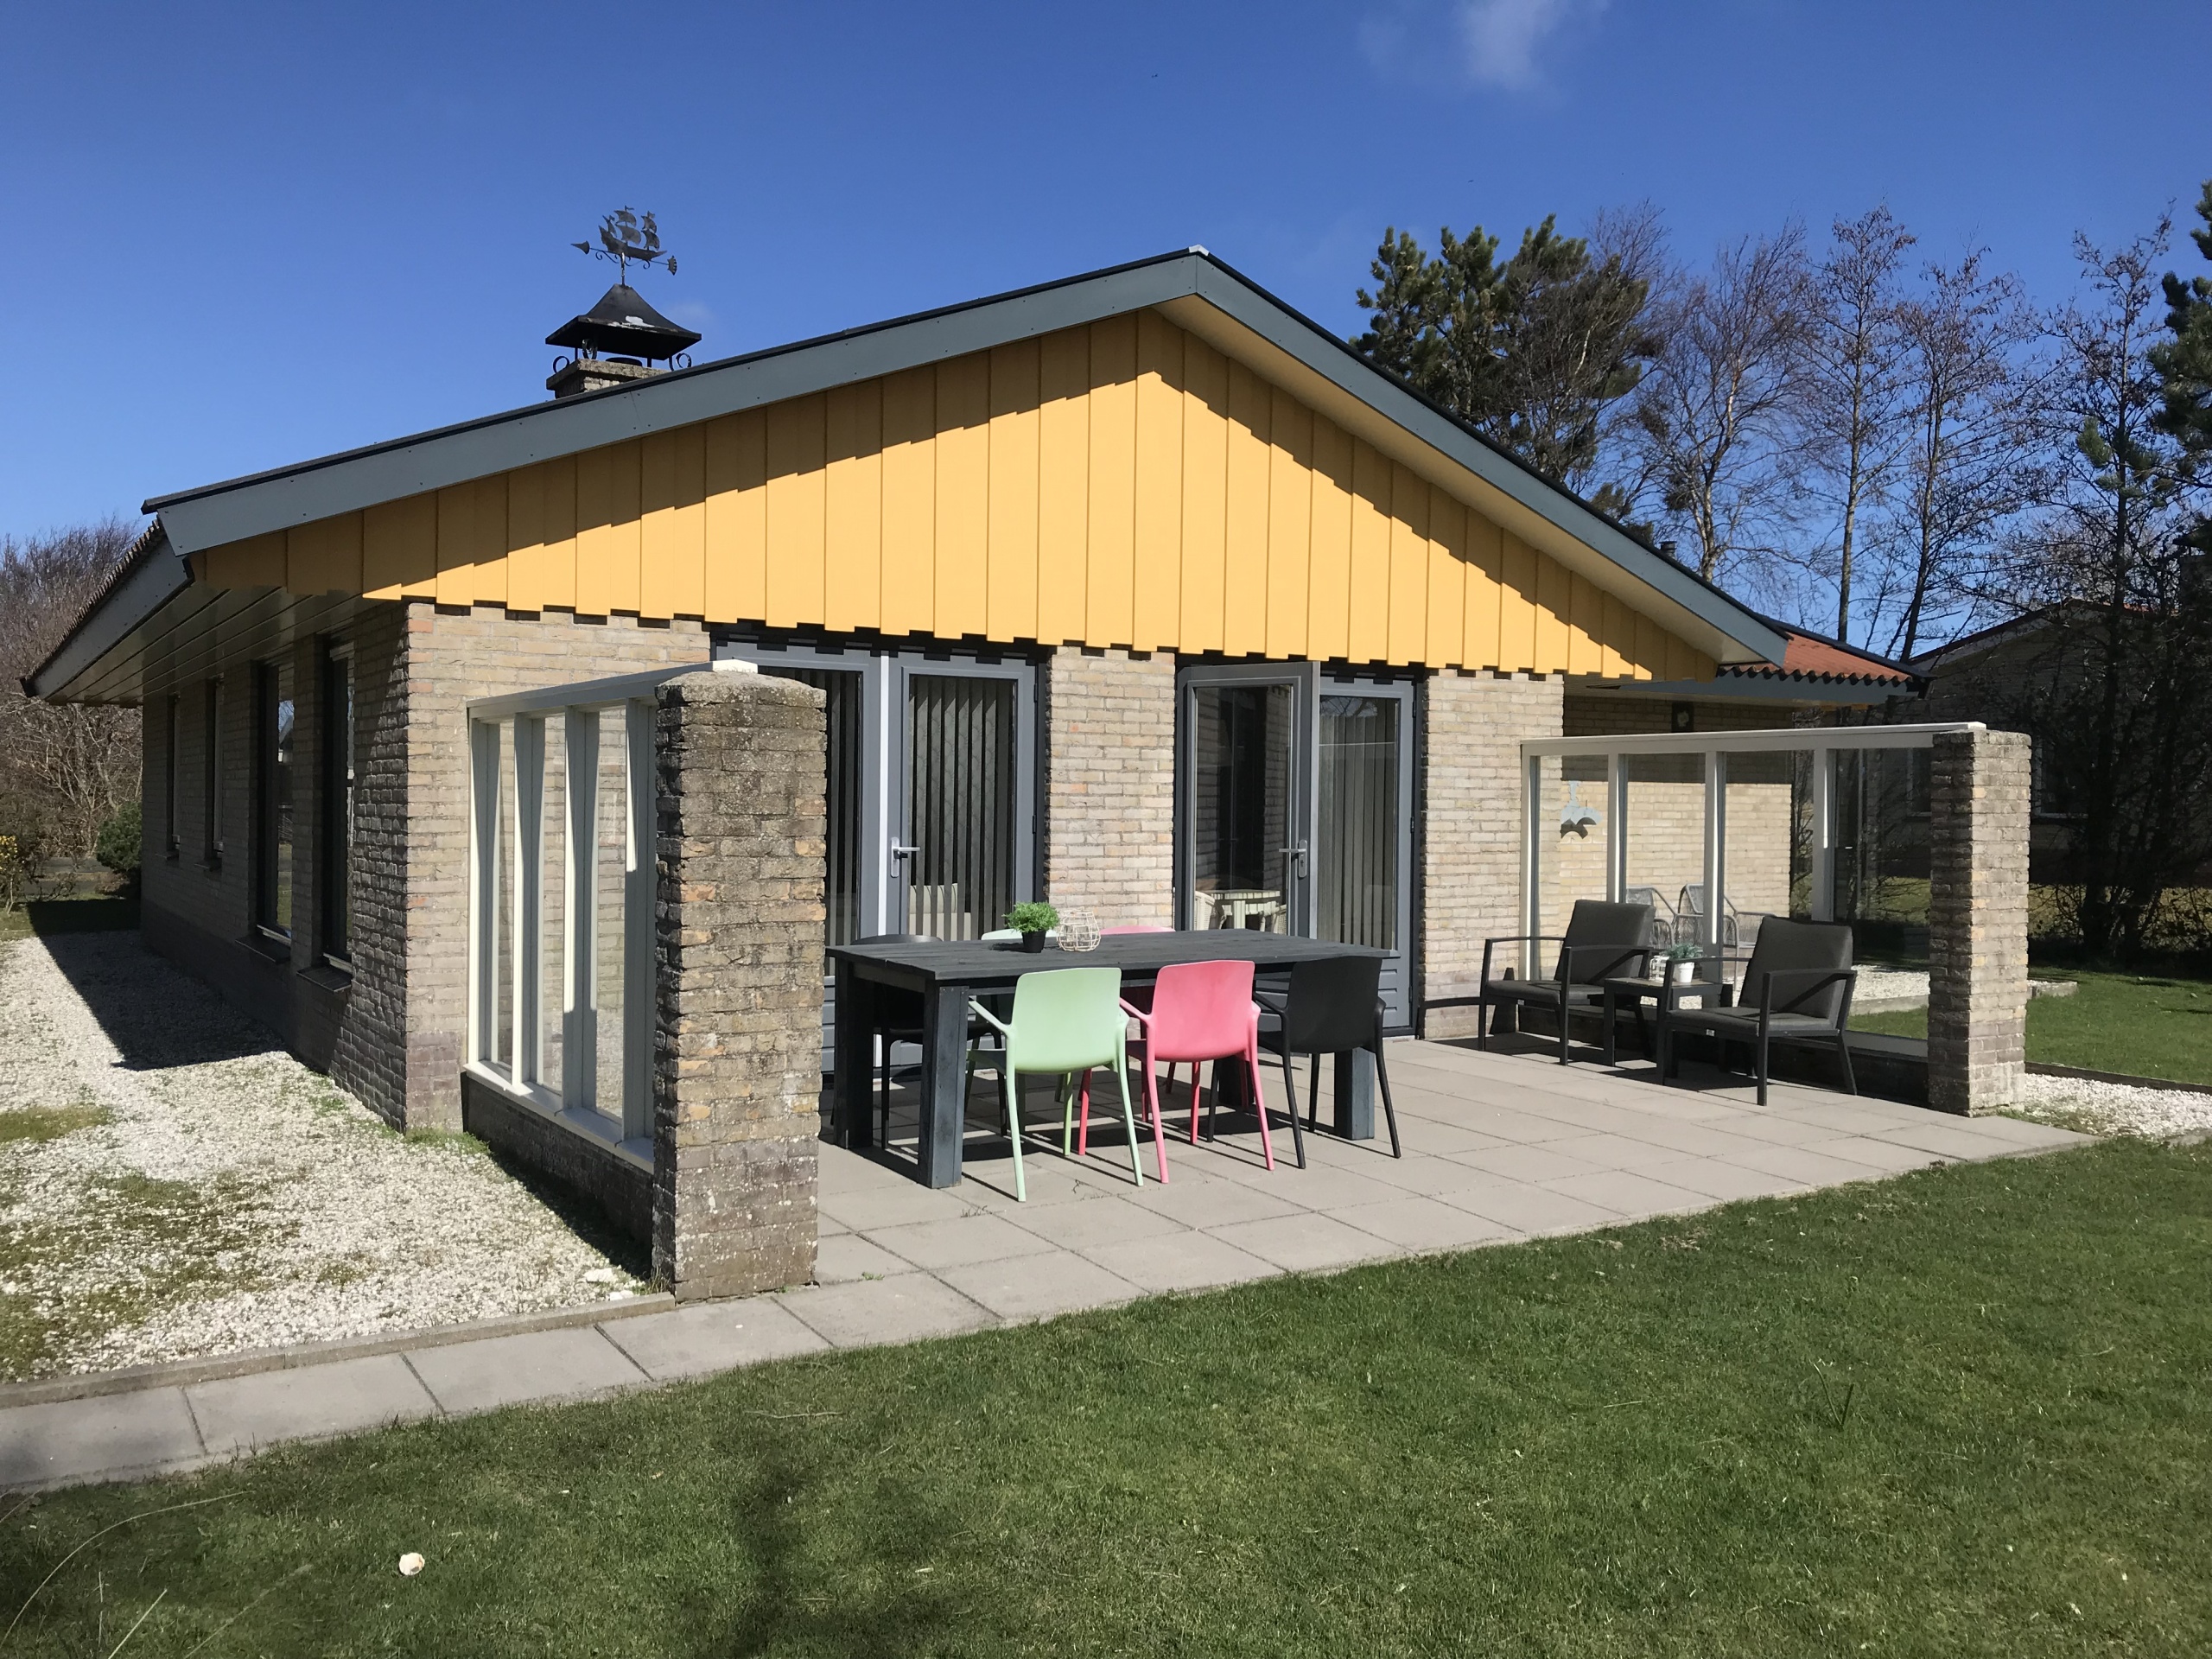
1602,941
1796,988
1332,1006
899,1015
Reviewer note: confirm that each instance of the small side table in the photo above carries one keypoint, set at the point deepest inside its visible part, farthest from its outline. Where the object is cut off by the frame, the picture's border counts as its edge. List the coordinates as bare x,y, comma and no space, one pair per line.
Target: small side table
1636,990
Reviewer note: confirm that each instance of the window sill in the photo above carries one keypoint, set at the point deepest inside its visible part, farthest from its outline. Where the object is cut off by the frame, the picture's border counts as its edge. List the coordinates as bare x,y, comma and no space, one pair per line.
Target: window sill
329,977
274,946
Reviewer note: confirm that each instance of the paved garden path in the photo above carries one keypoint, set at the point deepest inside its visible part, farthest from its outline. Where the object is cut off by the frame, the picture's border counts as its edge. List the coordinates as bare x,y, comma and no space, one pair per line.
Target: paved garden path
1498,1147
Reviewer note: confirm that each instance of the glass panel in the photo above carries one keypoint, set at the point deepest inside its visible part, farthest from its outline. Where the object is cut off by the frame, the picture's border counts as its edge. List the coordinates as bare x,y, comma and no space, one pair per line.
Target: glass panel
1664,847
277,823
1570,844
339,724
1241,823
502,927
960,798
1881,856
1763,855
553,901
612,862
1358,850
842,874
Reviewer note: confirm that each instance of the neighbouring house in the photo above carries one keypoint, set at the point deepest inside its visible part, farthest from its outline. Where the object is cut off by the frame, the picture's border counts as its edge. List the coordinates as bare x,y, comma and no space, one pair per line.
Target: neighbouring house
1137,591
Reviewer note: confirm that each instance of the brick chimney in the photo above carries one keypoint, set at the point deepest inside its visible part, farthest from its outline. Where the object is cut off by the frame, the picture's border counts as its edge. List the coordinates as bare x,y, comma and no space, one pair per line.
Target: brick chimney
619,340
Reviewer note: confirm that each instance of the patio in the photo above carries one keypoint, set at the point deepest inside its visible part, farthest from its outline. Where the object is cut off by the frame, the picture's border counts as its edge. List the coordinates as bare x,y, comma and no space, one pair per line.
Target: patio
1499,1146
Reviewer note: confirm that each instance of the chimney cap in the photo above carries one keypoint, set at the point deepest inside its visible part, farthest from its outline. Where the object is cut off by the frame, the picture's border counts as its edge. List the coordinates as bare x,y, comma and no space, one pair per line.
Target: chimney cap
622,324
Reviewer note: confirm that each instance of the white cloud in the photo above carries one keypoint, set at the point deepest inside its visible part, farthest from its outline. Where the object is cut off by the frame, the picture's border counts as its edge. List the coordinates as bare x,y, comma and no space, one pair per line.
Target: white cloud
1501,37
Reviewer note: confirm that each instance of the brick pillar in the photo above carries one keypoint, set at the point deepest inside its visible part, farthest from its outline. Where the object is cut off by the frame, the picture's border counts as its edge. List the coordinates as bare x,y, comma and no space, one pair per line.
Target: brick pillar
1471,844
1977,920
1109,784
738,948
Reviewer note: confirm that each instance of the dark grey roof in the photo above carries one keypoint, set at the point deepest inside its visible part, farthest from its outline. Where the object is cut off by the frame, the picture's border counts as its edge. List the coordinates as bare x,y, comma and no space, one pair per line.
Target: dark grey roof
1176,282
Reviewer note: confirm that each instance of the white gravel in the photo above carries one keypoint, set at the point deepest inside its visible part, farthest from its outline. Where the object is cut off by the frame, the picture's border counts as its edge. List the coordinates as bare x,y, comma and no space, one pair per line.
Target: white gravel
231,1198
2114,1107
1888,984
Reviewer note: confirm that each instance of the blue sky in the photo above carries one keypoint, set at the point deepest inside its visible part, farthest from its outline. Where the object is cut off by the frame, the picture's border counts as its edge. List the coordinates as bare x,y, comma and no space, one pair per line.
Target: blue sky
246,235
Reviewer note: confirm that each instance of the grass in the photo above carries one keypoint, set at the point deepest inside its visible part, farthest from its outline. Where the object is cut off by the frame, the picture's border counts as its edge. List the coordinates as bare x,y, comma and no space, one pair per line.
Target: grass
157,1244
1959,1413
35,1125
2144,1026
49,916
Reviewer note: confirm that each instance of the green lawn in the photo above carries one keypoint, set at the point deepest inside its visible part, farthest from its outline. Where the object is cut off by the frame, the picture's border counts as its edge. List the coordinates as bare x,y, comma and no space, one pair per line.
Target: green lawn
1963,1413
92,915
2145,1026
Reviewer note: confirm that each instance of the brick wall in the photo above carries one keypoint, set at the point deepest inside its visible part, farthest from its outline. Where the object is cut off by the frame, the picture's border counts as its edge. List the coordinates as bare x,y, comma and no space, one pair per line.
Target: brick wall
741,837
1977,920
1470,846
1109,784
452,658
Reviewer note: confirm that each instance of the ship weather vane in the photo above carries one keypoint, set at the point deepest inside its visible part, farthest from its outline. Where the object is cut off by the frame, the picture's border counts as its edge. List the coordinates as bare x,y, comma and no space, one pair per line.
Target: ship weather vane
626,238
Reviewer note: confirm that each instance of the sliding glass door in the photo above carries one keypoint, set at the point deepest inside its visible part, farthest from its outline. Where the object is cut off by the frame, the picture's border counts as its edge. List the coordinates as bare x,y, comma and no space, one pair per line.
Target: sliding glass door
1295,808
932,789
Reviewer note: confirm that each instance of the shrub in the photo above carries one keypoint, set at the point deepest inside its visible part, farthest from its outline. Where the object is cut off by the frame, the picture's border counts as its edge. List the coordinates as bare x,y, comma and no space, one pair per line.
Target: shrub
117,845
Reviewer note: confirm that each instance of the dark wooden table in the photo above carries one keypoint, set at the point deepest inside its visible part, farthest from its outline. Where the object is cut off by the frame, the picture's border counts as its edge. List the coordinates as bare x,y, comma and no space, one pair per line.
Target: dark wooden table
947,973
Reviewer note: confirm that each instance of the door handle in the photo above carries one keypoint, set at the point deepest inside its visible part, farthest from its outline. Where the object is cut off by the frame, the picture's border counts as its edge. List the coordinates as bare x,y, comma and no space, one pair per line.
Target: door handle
1297,852
898,851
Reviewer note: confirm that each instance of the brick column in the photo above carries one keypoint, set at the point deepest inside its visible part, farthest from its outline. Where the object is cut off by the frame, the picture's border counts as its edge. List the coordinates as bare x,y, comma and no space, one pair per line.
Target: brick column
738,949
1977,920
1470,831
1109,784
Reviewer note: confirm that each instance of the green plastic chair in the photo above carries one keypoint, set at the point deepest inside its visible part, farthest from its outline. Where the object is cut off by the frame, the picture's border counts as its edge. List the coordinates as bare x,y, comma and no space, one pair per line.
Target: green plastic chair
1066,1021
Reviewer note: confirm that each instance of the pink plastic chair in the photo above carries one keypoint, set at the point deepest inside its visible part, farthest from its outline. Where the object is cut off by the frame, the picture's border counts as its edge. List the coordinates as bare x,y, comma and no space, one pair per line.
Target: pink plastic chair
1200,1011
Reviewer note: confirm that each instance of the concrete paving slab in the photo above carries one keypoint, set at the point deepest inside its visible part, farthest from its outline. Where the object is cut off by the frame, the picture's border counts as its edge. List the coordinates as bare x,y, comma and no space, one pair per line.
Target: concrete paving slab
1421,1224
1527,1163
1213,1202
1434,1177
1706,1140
1812,1168
543,1365
1612,1151
1096,1221
83,1439
1718,1179
935,1244
1038,1286
844,1258
709,1337
1890,1157
909,1308
1631,1194
845,1171
1320,1187
1779,1129
308,1402
1180,1262
1959,1138
909,1201
2025,1132
1535,1209
1304,1243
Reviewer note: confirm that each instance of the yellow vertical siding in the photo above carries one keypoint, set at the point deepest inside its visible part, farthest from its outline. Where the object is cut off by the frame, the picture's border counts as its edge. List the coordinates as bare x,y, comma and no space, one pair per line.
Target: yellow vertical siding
1119,483
1010,552
853,527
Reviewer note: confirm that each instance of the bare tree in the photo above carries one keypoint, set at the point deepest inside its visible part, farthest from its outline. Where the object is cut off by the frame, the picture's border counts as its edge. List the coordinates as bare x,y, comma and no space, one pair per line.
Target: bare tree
1716,408
64,767
1970,460
2121,705
1853,384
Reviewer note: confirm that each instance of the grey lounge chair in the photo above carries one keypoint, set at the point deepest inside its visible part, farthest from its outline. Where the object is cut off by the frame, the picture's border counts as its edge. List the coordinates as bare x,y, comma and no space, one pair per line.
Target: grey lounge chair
1796,988
1602,940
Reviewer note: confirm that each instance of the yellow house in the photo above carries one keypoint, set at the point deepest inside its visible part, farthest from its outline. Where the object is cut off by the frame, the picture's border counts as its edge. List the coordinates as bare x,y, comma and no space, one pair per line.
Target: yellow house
1138,591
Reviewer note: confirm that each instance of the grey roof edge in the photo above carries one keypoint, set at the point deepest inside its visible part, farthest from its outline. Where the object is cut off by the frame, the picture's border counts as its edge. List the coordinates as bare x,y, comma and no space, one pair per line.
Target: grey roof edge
144,582
1751,687
239,508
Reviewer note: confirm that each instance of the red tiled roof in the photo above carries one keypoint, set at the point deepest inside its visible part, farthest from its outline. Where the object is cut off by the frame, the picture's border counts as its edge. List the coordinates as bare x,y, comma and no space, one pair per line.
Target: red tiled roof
1809,657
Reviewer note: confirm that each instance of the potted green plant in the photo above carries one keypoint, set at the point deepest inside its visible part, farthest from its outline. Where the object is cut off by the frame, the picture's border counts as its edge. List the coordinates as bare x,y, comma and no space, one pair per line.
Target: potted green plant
1031,920
1682,963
